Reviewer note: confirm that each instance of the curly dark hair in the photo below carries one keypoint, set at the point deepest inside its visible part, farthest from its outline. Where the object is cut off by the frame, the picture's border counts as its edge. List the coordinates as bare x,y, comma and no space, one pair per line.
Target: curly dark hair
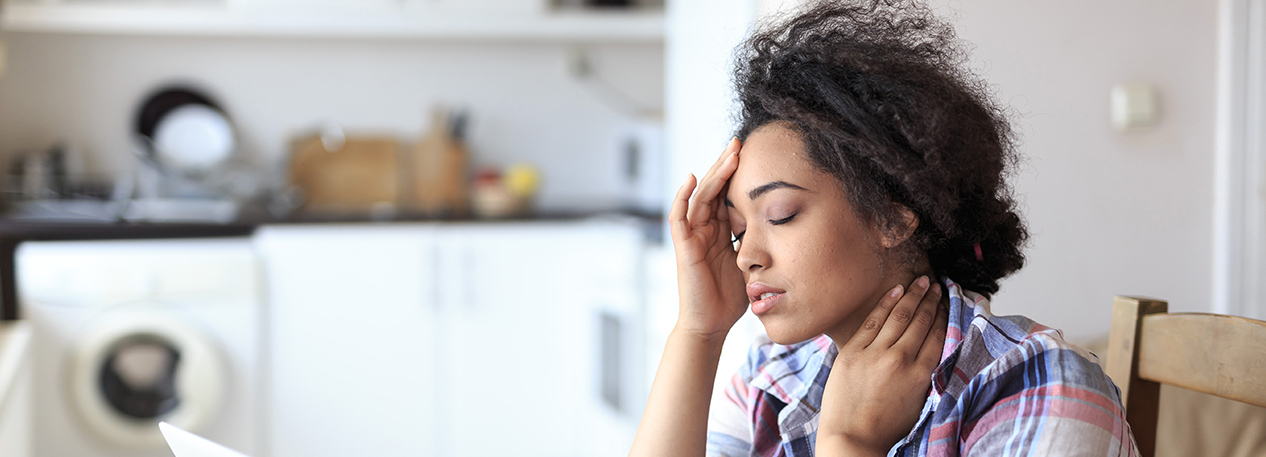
880,94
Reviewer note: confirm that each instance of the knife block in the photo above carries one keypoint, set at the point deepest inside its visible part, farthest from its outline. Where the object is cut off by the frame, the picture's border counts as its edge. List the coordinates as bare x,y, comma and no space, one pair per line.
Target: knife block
439,163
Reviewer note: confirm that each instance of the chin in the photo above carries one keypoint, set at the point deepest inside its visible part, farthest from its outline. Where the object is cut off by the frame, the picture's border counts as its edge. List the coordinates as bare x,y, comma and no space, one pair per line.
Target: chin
784,334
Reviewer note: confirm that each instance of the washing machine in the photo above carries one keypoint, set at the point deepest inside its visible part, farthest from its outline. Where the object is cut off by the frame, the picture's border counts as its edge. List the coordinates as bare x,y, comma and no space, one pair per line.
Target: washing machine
129,333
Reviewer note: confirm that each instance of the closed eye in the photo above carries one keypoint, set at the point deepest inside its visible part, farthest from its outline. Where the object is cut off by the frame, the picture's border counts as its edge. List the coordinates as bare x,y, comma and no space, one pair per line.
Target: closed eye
783,220
739,236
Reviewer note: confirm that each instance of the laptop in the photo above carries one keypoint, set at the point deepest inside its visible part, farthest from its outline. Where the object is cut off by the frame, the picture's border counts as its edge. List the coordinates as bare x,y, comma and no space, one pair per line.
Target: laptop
186,444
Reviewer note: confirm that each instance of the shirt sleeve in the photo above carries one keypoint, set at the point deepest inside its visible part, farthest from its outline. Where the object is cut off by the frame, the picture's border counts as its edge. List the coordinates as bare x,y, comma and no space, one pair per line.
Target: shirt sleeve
1047,397
729,425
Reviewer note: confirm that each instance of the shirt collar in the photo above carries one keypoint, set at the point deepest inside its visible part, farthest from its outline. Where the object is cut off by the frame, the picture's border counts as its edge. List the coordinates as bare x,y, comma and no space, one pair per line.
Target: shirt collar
790,371
963,307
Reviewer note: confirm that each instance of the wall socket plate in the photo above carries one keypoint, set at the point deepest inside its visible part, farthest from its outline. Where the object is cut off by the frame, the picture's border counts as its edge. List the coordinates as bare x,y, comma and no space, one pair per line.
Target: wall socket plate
1134,106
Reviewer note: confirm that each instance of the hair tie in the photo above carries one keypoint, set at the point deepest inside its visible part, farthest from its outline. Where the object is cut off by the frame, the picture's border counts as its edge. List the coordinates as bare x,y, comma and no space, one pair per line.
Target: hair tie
980,256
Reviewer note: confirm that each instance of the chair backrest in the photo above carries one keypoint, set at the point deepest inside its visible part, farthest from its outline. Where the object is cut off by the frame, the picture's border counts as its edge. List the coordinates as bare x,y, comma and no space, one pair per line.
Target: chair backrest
1210,353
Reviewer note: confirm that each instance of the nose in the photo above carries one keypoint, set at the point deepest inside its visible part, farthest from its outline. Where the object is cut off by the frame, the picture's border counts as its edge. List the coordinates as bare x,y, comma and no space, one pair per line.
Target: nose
752,255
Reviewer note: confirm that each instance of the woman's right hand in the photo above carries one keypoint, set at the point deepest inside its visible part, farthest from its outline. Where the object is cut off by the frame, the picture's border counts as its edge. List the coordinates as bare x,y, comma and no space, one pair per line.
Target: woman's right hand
709,283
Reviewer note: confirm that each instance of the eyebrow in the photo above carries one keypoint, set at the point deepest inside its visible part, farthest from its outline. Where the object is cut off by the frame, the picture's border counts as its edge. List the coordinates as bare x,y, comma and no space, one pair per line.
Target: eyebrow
766,188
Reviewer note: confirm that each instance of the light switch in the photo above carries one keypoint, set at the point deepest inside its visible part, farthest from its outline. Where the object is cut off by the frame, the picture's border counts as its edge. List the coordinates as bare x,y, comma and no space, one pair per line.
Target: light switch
1134,106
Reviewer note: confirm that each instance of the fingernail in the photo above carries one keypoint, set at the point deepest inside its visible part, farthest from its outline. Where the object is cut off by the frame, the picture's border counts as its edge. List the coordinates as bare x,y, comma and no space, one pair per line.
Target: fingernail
936,288
896,291
922,281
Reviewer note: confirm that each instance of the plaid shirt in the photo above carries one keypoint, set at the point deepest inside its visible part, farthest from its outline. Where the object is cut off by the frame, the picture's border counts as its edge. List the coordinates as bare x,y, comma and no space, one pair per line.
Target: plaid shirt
1005,386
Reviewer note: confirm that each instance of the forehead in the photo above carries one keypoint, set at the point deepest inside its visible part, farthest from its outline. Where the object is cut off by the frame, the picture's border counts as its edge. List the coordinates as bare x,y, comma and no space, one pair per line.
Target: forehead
774,153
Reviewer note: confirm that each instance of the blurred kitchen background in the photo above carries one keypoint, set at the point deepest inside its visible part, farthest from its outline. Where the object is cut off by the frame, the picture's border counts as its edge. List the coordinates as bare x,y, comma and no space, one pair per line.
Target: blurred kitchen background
435,227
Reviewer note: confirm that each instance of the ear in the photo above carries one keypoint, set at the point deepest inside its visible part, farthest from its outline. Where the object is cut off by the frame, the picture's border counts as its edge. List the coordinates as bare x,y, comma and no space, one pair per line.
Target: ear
899,229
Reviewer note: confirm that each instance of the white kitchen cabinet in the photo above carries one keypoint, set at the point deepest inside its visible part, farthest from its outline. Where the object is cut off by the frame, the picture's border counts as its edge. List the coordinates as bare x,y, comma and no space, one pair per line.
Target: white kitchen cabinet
524,334
461,340
515,362
351,340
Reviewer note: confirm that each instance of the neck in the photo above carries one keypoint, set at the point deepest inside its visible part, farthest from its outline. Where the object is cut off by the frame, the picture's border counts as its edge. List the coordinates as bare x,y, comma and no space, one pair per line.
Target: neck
841,333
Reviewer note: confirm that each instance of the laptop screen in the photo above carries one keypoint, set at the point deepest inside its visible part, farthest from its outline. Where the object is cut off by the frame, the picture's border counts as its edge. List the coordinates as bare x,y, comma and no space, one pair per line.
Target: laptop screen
186,444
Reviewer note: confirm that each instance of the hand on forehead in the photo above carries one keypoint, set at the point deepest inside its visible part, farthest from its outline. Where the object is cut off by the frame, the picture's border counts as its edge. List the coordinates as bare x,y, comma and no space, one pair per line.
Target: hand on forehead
772,158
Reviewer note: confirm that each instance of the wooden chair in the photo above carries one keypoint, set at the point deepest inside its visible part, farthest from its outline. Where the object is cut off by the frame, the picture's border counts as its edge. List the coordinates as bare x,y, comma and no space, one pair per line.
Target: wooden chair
1210,353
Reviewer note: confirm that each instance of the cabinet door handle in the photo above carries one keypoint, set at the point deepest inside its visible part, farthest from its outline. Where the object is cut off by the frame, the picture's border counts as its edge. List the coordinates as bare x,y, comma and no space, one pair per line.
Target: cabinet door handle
610,335
468,278
435,292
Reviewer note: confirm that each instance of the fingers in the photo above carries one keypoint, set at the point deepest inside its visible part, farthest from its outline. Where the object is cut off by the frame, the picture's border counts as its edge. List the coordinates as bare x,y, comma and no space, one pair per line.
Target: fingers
903,313
720,159
731,148
912,339
677,214
934,344
875,321
723,212
705,200
724,233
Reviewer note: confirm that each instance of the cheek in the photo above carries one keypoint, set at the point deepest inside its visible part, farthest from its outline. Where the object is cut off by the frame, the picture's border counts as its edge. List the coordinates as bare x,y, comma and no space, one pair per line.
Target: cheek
811,258
834,260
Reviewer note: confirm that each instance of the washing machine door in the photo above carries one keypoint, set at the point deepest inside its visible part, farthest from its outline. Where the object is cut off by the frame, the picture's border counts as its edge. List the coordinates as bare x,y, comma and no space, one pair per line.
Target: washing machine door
136,367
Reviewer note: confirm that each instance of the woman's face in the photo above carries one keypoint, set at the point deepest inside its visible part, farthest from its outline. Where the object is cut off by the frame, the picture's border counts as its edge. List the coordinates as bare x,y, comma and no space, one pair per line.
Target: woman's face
800,241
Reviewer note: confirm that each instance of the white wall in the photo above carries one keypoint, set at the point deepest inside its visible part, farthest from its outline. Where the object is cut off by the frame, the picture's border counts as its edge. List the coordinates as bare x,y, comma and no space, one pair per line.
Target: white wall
83,89
1109,213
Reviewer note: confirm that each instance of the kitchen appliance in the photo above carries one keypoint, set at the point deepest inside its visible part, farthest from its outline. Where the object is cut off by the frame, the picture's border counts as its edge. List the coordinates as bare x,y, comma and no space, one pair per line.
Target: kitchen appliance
130,333
641,150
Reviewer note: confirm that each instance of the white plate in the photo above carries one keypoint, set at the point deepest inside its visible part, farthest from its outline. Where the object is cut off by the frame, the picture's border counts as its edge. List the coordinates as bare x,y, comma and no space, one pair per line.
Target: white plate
193,138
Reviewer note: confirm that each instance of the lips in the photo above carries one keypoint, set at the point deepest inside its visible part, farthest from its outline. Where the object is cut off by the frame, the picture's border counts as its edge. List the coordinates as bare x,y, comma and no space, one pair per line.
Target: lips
763,297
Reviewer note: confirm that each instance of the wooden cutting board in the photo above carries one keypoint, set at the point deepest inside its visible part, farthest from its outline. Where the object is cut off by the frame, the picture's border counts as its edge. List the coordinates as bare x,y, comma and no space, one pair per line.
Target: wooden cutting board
360,178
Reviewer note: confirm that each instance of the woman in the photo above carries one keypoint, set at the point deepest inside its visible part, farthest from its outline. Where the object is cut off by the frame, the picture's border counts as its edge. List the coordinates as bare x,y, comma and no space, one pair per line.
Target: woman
870,223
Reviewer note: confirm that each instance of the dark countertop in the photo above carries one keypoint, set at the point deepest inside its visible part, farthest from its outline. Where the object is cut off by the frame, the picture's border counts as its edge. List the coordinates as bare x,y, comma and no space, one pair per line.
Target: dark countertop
16,231
42,230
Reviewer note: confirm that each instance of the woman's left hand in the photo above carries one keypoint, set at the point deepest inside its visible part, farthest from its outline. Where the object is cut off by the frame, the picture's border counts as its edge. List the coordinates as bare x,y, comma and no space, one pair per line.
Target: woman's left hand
880,379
